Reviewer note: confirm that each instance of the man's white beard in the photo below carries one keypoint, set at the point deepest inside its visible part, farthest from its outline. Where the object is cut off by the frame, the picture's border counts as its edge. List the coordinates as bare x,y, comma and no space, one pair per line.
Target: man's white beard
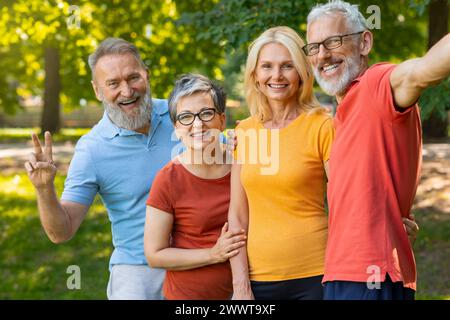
339,86
137,119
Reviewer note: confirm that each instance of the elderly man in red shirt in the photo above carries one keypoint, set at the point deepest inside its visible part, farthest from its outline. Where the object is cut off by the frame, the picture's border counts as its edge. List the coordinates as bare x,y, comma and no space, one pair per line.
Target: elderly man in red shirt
376,156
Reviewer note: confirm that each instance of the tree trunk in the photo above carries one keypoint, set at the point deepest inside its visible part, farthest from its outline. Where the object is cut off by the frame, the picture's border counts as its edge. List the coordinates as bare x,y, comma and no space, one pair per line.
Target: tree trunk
50,120
435,126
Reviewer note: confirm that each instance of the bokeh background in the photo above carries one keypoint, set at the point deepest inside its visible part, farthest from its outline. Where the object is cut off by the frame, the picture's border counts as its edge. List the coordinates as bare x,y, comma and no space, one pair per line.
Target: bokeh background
45,85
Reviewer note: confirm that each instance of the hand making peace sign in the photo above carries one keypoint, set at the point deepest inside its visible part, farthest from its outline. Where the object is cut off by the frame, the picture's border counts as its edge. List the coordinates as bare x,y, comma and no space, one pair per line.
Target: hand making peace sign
40,166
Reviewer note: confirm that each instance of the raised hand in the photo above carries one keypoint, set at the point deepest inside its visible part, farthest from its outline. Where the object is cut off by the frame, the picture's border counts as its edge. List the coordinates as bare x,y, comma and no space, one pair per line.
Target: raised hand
228,244
40,166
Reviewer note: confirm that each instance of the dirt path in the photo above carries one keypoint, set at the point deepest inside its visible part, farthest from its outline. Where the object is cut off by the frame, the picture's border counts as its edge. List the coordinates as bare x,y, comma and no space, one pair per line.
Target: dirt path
433,191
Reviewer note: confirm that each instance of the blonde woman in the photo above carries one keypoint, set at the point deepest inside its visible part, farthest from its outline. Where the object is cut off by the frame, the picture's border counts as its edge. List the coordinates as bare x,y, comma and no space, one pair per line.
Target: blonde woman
281,205
279,180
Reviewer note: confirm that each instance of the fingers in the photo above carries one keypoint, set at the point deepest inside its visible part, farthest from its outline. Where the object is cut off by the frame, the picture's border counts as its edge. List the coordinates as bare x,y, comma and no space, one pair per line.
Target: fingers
224,229
411,224
43,165
233,249
28,167
232,140
234,243
230,234
32,164
32,158
231,254
36,144
48,146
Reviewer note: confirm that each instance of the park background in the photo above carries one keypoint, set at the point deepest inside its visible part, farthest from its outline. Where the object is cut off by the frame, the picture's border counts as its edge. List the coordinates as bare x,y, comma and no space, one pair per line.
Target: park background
45,85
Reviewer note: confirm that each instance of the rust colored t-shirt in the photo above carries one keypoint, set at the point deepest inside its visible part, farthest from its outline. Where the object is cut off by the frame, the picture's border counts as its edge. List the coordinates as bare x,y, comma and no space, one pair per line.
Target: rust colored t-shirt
200,209
374,172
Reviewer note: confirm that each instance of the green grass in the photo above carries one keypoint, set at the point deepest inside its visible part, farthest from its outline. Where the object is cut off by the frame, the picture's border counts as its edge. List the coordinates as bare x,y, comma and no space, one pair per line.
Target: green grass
31,267
10,135
432,252
34,268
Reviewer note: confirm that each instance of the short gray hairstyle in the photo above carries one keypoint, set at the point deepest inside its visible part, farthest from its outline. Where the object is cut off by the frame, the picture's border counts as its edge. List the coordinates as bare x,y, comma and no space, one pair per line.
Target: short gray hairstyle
191,83
355,20
111,46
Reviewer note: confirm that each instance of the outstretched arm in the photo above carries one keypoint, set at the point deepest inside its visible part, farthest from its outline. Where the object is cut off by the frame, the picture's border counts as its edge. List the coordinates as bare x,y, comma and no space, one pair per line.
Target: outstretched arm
410,78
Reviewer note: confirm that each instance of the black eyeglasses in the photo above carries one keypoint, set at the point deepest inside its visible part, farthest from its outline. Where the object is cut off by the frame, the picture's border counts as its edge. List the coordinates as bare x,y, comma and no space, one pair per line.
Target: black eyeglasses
187,118
330,43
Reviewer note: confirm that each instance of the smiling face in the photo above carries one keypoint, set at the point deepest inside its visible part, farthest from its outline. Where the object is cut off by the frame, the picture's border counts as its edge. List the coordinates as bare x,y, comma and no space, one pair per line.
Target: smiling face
335,69
121,83
275,74
199,134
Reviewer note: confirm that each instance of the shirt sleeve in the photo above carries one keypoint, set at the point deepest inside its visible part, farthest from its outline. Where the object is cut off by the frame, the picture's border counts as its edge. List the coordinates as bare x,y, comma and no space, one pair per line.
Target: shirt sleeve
160,194
326,137
379,84
81,184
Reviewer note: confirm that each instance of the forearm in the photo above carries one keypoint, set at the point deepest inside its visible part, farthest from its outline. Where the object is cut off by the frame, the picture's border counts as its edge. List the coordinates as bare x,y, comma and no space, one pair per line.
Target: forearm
176,259
410,78
54,218
239,263
239,270
435,65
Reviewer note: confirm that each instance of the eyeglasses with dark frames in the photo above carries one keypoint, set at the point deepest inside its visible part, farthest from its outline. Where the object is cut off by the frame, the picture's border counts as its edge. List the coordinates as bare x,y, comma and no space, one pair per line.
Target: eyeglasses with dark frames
187,118
329,43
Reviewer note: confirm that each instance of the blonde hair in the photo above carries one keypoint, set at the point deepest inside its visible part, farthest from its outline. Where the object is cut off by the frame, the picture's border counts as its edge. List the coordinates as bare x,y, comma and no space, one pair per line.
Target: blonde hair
257,102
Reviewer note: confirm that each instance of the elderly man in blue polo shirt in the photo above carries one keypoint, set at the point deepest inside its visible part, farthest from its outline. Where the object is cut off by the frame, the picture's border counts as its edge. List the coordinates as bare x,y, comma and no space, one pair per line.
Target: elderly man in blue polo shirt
118,159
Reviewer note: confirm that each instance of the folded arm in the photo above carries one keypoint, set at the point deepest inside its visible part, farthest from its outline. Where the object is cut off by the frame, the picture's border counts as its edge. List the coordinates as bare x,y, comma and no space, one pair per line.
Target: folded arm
159,253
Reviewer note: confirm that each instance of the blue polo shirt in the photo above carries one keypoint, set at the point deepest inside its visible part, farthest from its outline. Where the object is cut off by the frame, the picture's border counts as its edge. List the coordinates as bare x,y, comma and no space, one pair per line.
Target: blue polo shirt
120,165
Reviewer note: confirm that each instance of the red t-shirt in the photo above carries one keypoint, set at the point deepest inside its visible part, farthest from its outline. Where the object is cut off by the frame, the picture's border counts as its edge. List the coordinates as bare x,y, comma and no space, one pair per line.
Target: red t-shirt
200,209
374,172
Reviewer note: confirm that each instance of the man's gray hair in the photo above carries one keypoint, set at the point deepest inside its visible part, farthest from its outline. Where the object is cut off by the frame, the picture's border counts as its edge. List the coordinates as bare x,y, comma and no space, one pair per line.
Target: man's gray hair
191,83
111,46
355,20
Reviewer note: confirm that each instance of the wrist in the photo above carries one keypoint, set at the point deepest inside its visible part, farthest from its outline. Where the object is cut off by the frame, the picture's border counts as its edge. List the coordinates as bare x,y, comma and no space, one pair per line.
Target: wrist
242,285
212,257
45,188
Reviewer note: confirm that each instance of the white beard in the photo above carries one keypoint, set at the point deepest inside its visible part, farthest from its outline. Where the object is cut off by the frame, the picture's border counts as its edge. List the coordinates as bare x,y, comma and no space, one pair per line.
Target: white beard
139,118
339,86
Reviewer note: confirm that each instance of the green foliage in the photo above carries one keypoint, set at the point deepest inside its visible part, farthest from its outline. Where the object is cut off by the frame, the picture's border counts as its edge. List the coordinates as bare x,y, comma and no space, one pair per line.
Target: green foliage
436,100
235,23
419,5
28,26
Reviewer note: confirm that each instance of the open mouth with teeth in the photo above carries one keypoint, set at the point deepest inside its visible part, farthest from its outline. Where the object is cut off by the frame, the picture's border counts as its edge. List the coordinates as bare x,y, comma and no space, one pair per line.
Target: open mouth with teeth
330,68
200,135
128,103
277,86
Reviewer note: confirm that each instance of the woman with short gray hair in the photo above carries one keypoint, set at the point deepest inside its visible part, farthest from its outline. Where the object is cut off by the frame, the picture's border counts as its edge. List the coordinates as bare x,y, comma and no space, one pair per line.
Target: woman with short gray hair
186,230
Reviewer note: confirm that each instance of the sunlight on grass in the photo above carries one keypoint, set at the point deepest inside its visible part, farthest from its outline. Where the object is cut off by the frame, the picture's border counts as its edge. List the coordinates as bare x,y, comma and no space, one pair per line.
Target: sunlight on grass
35,268
23,134
19,185
26,132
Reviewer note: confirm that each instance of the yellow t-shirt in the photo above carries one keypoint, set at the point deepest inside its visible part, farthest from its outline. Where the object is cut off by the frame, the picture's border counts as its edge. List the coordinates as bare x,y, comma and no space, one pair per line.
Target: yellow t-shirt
284,178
